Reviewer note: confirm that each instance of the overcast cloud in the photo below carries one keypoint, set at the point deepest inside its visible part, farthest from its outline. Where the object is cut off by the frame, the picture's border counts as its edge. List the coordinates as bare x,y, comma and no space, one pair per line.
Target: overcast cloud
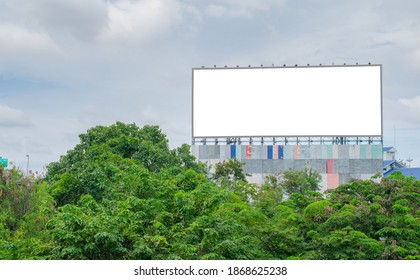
68,65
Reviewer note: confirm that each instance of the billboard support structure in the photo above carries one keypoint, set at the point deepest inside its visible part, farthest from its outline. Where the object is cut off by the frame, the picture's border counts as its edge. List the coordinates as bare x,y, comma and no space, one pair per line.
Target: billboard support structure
305,104
288,140
327,118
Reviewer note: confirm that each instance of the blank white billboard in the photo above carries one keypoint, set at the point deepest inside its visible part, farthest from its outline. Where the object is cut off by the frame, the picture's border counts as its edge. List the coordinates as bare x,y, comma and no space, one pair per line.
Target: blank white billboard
287,101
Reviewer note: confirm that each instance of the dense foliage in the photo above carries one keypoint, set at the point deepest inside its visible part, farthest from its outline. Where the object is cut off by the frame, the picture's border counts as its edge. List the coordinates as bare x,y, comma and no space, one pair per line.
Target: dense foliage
122,193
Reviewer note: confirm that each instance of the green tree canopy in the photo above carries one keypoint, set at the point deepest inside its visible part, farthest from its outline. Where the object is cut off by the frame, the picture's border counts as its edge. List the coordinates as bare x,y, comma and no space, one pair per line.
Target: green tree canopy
122,193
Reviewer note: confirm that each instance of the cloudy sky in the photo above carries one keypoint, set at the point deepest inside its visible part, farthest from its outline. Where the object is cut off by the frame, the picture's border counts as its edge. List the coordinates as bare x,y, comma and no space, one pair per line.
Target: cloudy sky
68,65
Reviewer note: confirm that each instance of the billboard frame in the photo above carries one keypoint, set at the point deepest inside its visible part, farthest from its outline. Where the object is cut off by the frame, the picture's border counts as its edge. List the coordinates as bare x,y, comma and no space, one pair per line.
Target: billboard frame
375,136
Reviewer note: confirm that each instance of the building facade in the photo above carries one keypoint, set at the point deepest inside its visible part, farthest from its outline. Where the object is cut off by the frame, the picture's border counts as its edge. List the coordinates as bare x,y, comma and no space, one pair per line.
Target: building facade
336,163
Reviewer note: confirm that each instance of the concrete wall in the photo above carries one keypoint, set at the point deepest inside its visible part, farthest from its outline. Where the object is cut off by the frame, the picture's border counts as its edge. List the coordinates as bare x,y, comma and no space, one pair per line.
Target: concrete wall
337,164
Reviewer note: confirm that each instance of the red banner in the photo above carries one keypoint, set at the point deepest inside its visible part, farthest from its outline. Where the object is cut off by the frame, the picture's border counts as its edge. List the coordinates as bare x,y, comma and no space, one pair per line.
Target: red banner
248,152
330,166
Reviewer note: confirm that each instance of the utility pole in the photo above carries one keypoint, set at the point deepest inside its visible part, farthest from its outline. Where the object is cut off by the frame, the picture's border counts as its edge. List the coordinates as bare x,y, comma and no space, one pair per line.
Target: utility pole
395,142
27,166
395,137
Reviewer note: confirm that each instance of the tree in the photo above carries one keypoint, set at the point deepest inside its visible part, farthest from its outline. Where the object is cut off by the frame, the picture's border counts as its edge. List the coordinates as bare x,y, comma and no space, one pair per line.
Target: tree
386,211
121,193
269,195
25,208
105,155
343,244
230,170
299,181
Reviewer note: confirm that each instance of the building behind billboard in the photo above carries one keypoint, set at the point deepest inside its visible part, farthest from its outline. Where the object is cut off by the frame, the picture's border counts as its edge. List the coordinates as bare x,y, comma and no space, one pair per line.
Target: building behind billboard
327,118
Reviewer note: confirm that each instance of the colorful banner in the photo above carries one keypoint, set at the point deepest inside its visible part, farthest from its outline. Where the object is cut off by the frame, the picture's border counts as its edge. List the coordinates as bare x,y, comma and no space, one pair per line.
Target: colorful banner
233,151
332,180
248,152
281,152
376,151
296,152
362,151
330,163
275,152
269,152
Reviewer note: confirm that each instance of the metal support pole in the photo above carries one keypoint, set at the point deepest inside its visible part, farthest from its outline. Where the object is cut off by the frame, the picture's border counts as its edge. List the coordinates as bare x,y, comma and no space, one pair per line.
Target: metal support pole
27,166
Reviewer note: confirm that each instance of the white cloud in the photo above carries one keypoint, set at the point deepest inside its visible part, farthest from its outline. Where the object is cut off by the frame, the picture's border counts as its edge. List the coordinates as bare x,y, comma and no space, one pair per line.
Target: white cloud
149,115
403,111
241,8
82,19
90,20
417,57
89,115
140,19
216,11
10,117
413,103
18,40
10,144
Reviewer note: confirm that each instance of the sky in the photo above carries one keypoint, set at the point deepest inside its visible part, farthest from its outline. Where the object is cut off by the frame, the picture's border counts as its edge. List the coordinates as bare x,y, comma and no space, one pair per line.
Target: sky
69,65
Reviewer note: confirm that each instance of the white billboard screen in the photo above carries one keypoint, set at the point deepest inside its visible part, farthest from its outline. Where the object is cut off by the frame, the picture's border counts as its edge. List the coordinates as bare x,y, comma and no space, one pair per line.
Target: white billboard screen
287,101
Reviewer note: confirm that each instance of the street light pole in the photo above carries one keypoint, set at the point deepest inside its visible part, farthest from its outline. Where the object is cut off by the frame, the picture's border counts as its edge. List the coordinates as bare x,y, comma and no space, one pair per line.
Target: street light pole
27,166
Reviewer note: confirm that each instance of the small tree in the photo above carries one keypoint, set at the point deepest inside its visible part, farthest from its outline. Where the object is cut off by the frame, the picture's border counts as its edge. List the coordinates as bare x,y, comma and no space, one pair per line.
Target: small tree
231,170
300,181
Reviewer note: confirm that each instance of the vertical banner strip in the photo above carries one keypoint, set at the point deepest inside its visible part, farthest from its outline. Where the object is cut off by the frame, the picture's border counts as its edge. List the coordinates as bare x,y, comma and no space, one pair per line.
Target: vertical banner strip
233,151
269,152
296,152
275,152
329,151
376,151
248,152
330,166
281,152
362,151
333,180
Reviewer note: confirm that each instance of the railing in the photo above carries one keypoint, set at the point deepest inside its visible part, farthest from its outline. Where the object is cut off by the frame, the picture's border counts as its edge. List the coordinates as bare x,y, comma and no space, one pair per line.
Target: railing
286,140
